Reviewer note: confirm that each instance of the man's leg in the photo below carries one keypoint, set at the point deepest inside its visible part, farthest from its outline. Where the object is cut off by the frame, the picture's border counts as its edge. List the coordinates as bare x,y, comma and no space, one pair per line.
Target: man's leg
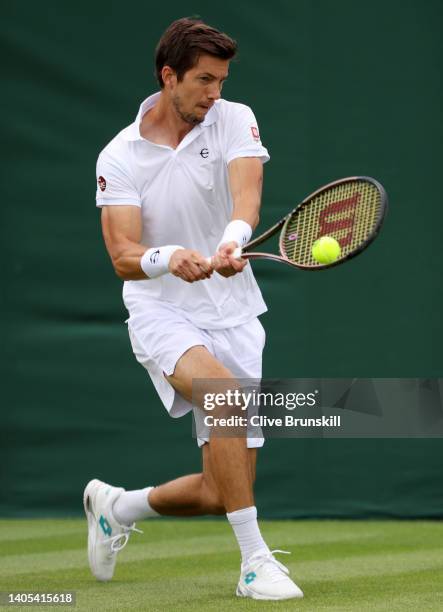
232,473
230,464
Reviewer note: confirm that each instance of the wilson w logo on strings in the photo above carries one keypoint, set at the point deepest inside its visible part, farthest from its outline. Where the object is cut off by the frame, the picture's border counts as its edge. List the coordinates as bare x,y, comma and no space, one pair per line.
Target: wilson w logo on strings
328,224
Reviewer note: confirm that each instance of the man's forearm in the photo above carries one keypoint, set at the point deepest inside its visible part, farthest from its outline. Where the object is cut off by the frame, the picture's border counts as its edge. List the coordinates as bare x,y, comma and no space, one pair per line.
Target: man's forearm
126,261
247,207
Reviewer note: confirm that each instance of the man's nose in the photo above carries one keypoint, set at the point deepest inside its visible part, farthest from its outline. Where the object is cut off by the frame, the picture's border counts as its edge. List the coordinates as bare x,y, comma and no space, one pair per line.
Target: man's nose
214,91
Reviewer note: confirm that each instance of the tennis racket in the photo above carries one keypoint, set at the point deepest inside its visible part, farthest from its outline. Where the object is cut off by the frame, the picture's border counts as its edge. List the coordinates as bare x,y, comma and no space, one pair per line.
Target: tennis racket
351,210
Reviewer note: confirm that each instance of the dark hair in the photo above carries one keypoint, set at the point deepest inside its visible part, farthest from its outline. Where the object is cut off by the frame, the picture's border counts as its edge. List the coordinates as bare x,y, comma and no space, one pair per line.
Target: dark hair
183,43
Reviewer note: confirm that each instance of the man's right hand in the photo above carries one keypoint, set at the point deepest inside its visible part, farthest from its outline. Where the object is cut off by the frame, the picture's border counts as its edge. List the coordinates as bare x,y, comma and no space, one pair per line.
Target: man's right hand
224,263
189,265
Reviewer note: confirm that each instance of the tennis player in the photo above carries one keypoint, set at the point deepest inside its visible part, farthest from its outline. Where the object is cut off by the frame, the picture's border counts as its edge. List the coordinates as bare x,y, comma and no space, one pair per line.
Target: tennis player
181,183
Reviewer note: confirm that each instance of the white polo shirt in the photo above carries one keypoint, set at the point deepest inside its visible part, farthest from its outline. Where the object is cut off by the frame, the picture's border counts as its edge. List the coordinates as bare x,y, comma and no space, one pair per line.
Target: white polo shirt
185,199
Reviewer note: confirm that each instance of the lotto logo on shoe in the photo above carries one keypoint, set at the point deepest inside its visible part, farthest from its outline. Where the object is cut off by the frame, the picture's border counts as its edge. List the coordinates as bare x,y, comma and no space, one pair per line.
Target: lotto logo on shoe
250,577
107,529
101,183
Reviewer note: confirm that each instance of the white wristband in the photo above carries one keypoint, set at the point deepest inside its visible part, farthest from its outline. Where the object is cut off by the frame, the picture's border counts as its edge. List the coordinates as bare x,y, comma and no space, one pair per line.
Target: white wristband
155,262
236,231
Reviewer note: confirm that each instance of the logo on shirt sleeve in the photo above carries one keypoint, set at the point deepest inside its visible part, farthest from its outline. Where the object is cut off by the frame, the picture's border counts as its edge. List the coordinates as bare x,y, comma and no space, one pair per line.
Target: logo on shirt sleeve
101,183
255,133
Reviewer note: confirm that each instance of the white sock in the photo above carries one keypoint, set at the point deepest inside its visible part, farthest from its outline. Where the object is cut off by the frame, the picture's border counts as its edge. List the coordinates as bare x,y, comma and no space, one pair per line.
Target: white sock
247,532
133,506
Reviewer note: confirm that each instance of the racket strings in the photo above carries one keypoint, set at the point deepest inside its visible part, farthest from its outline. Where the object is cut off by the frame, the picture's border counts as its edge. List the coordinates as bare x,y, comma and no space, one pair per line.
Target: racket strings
348,212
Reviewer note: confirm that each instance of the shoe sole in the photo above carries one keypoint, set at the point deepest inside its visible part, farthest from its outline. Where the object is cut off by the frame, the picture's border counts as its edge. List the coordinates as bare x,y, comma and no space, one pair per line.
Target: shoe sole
244,592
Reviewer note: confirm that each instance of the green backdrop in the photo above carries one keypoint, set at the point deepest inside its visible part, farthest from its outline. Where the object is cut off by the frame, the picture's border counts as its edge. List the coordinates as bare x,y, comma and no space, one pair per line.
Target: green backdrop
339,88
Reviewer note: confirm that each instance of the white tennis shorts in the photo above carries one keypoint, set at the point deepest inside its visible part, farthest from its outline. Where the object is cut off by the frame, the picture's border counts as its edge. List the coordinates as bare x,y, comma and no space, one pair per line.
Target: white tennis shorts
161,334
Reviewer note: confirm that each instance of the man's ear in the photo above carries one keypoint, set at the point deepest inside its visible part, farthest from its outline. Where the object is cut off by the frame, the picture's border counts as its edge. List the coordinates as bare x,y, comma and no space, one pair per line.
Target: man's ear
169,76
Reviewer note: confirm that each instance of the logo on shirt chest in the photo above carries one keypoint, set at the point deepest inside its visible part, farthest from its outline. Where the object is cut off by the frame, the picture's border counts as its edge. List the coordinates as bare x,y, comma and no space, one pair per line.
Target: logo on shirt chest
204,153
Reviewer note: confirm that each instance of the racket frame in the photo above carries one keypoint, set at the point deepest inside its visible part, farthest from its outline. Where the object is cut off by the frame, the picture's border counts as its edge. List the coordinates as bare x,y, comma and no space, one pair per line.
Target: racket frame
281,225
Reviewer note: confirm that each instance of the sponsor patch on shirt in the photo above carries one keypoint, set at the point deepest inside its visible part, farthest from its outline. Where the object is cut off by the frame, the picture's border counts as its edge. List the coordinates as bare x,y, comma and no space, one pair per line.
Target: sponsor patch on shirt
101,182
255,134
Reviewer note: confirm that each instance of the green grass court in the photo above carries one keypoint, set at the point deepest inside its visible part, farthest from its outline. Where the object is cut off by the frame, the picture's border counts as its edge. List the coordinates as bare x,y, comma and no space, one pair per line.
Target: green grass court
194,565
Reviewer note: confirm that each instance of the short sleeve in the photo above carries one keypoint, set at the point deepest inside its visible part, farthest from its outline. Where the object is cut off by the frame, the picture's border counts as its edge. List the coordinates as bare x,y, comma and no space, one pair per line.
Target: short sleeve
243,136
114,183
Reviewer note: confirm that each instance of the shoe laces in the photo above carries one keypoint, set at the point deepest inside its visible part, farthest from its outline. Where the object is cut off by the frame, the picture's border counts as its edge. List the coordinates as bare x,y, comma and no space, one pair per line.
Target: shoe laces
274,568
120,540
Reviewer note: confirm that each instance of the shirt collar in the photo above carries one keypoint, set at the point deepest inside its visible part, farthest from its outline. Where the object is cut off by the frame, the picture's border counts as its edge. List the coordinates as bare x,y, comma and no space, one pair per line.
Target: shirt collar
132,132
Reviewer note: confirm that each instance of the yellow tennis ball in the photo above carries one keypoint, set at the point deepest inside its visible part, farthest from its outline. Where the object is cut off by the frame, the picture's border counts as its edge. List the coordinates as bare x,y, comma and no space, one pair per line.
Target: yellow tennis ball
325,250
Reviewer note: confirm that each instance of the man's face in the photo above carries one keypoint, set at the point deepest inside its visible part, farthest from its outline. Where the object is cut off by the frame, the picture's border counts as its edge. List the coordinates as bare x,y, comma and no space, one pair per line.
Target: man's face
200,88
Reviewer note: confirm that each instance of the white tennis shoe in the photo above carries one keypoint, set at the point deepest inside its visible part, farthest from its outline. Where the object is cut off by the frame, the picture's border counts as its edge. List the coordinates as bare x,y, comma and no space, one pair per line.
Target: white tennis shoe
263,577
106,537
